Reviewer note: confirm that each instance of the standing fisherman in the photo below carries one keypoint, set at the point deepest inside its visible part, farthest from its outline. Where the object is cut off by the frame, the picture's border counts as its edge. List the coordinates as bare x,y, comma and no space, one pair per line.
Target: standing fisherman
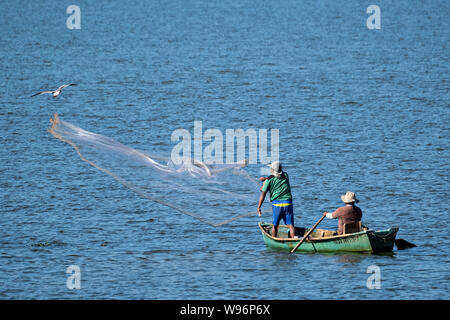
280,196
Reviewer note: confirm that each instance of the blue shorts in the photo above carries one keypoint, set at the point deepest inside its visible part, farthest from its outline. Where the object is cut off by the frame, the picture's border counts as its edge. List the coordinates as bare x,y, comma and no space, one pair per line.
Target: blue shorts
283,209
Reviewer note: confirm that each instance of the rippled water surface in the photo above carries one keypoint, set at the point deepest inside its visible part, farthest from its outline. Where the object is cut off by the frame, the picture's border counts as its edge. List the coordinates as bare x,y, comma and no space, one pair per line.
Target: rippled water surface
357,109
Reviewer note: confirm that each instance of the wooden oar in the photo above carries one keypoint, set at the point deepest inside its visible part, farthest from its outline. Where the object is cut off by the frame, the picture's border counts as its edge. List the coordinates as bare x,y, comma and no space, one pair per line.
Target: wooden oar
307,234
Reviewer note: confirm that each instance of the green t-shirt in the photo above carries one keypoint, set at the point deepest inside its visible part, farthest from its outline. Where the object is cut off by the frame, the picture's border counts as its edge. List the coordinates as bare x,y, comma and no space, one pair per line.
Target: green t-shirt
279,188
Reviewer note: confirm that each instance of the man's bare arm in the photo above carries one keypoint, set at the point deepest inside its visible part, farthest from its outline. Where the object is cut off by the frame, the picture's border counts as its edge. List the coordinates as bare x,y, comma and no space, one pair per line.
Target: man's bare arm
261,200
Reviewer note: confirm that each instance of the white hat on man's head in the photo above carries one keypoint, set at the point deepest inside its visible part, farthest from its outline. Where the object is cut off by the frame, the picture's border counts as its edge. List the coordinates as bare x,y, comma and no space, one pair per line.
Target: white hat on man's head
349,197
276,169
275,166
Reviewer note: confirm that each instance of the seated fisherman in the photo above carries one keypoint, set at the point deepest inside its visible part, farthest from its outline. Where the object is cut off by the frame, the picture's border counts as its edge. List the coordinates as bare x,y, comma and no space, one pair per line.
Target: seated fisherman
349,213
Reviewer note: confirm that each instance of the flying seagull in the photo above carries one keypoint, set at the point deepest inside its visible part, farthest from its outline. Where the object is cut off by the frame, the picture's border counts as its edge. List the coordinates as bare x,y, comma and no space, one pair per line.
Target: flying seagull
57,92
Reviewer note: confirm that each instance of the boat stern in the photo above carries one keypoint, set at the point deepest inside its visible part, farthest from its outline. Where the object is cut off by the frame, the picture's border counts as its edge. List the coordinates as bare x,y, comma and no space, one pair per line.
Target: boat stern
382,240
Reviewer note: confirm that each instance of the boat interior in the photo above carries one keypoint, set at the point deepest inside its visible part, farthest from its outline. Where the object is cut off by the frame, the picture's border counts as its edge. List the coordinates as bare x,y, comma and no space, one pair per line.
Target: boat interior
283,231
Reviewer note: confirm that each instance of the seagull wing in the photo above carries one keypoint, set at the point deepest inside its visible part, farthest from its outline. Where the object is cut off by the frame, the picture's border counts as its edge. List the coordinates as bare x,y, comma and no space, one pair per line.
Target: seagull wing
42,92
66,85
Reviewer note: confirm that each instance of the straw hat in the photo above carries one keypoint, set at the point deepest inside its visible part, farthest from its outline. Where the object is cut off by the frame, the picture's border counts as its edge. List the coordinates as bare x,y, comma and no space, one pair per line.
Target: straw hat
349,197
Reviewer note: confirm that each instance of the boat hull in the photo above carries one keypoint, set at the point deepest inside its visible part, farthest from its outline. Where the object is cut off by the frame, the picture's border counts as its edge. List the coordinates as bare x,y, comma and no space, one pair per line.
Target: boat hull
368,241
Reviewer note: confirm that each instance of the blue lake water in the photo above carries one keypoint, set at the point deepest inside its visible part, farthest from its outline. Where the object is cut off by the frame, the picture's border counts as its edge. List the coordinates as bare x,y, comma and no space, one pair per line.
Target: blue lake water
357,109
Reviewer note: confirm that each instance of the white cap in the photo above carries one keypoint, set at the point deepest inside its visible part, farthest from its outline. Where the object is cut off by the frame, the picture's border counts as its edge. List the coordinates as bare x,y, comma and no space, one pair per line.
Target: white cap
275,166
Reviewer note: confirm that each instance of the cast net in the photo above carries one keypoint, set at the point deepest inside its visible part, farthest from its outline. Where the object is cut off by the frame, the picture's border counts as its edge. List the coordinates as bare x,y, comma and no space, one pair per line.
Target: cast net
213,194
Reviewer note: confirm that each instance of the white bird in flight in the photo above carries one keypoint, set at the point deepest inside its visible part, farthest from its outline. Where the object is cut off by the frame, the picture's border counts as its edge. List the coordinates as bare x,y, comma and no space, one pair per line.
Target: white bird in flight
57,92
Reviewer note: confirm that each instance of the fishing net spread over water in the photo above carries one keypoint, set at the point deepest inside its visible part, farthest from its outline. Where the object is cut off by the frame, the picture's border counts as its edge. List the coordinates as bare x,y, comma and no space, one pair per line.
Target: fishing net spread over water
214,194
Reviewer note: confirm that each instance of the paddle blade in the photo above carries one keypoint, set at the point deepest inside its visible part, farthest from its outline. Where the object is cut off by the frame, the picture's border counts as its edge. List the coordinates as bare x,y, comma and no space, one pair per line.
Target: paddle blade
403,244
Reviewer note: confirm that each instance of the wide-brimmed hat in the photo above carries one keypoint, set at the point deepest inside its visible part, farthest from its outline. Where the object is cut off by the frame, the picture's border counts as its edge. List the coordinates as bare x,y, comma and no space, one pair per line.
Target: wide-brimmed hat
349,197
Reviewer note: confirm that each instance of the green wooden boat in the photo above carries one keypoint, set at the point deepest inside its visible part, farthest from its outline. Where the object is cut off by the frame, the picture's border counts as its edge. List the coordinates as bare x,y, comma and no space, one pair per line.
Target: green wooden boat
366,241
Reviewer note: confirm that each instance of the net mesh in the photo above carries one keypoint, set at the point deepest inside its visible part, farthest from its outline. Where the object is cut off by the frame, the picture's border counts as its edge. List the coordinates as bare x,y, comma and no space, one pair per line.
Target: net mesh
213,194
